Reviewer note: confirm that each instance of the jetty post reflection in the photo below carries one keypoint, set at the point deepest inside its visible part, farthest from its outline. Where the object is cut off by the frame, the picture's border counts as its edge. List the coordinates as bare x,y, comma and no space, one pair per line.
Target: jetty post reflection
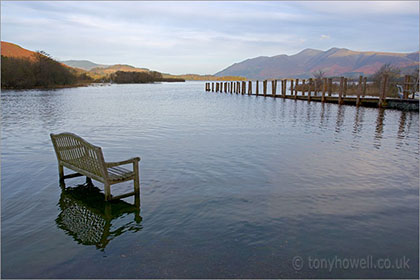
87,217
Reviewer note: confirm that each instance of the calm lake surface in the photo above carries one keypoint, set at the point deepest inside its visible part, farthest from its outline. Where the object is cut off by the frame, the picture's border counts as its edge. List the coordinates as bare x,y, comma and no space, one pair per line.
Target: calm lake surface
232,186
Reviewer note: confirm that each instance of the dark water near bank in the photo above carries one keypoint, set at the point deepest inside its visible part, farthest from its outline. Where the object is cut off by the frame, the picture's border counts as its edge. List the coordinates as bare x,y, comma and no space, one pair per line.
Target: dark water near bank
231,186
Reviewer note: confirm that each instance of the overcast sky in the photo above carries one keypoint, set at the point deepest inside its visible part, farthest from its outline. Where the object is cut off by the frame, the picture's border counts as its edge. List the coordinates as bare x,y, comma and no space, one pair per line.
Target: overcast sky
205,37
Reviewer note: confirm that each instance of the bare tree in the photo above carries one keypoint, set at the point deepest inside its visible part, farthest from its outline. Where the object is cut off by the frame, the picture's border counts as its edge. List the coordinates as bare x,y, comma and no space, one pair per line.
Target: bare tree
319,76
415,75
393,73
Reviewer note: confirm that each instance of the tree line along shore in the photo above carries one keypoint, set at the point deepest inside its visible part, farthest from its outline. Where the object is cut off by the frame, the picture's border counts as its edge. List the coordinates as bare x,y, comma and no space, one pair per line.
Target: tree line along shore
42,71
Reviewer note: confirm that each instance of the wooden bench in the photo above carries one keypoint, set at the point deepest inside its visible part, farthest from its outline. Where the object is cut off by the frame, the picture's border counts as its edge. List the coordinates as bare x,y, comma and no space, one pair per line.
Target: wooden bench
77,154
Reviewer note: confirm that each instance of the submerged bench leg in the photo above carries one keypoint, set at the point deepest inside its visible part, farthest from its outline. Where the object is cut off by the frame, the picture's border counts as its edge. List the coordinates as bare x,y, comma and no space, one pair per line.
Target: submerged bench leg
61,172
136,177
107,189
88,181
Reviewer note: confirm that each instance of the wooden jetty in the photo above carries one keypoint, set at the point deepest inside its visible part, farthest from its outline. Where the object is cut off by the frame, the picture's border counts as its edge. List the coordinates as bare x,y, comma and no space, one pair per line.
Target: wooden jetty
321,91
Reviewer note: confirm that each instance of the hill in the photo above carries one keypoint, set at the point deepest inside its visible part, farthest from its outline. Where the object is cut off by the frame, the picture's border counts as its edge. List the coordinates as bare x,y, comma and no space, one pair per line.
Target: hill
13,50
103,72
334,62
83,64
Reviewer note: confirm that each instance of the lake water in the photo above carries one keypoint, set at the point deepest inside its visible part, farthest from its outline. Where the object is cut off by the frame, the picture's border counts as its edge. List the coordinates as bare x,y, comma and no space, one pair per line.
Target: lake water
232,186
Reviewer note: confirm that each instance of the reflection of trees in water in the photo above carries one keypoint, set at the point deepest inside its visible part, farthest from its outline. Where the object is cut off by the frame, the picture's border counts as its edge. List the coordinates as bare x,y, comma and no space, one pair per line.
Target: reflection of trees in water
88,218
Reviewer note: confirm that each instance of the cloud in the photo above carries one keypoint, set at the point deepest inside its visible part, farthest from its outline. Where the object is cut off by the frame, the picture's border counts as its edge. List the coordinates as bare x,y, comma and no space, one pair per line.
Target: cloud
362,8
204,37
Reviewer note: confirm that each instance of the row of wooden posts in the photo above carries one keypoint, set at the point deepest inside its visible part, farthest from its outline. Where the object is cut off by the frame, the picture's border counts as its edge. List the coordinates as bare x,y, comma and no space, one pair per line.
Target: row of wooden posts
309,87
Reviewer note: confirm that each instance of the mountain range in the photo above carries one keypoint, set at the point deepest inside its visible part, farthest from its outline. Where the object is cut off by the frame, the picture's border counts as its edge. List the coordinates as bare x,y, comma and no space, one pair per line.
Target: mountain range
334,62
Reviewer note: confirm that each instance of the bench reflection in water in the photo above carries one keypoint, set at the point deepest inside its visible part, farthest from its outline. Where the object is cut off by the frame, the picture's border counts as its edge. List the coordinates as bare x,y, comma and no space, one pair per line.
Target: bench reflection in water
88,218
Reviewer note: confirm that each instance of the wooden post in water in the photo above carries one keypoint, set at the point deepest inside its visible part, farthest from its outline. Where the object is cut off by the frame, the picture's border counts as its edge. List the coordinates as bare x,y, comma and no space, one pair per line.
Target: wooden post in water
303,87
340,93
310,87
324,89
364,86
256,87
359,90
249,87
345,87
282,88
217,87
265,87
212,86
291,86
243,87
384,88
330,86
231,87
296,88
273,88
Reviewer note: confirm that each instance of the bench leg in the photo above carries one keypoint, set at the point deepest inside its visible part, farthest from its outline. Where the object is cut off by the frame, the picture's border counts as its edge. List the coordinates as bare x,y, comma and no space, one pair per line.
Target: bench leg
136,177
61,172
88,181
107,188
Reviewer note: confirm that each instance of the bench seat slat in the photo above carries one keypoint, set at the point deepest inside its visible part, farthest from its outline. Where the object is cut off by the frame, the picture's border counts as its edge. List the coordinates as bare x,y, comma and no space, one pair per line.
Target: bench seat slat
119,173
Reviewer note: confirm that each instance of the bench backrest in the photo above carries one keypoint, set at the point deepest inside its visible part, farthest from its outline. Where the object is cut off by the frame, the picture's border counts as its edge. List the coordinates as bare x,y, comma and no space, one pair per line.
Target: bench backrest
77,152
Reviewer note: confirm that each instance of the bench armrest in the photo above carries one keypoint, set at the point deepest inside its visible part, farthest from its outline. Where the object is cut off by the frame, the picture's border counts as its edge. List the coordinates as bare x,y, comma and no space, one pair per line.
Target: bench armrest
131,160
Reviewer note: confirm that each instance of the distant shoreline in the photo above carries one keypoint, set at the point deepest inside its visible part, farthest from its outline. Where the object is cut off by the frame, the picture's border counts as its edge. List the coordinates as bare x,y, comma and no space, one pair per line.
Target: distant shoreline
87,85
